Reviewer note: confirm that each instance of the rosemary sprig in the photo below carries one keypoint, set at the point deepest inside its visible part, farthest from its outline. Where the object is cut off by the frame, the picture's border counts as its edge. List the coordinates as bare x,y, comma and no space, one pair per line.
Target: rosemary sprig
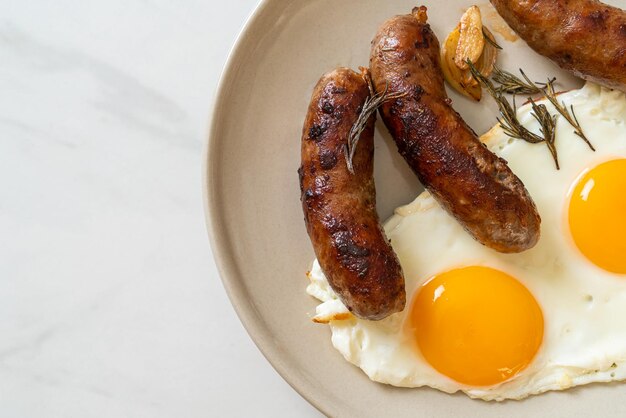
569,117
511,84
369,107
547,124
490,41
509,122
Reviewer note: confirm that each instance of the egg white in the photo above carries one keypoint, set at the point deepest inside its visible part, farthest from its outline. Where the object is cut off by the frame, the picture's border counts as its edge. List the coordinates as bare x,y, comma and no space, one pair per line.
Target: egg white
583,306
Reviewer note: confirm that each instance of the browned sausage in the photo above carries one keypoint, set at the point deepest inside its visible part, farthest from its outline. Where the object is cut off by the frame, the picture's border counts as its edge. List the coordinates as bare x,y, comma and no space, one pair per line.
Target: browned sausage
340,207
585,37
469,181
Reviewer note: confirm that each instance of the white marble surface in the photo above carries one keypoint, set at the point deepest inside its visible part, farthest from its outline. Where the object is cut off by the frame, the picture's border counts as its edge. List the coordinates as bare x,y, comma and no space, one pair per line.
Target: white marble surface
110,303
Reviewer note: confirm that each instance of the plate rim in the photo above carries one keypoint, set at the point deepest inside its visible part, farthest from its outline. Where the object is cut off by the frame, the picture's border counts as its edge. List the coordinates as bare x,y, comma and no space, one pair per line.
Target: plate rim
225,267
220,243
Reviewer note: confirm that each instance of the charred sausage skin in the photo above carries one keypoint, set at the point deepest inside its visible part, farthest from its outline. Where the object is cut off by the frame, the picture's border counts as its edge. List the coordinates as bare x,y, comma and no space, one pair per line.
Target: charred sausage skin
586,37
340,207
469,181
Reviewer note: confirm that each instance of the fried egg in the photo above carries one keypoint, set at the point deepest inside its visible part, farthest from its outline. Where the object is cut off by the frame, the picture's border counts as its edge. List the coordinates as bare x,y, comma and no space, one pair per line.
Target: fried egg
505,326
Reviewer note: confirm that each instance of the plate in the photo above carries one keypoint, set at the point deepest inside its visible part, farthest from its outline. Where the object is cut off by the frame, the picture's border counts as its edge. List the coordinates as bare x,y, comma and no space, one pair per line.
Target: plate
255,220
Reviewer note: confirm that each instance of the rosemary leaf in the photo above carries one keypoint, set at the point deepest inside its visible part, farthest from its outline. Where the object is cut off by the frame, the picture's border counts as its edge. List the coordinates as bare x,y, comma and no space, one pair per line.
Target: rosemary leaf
490,41
547,124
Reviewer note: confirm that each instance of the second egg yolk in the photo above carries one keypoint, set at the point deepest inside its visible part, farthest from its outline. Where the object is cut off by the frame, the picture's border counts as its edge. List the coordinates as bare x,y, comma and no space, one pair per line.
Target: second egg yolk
476,325
597,215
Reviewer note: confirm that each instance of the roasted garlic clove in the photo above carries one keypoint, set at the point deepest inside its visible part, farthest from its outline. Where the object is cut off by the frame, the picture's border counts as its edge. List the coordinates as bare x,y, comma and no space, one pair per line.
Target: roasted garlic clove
467,42
487,60
471,38
457,78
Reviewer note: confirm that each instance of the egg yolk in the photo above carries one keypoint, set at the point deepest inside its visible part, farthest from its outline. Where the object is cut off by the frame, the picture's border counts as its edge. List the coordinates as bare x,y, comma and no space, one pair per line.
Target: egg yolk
476,325
597,215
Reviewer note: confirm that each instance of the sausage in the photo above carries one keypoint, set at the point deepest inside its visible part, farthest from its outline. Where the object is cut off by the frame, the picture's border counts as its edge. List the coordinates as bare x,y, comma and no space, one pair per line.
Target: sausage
585,37
469,181
340,207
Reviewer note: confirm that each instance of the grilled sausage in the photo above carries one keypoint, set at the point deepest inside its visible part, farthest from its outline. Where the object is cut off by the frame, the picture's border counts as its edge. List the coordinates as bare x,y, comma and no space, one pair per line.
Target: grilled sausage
470,182
585,37
340,207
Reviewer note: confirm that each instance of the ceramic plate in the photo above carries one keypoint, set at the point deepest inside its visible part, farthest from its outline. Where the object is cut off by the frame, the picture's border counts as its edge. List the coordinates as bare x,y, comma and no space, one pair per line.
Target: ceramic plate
256,222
